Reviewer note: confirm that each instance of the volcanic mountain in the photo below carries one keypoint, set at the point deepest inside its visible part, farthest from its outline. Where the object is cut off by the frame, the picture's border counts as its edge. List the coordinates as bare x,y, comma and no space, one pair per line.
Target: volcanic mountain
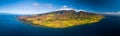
61,19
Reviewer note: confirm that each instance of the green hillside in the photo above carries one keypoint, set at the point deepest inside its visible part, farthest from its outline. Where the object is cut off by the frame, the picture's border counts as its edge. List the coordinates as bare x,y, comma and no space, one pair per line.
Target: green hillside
62,19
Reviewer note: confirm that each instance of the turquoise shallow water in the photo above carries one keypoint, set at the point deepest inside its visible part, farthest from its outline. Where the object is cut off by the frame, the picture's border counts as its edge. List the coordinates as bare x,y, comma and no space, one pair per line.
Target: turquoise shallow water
106,27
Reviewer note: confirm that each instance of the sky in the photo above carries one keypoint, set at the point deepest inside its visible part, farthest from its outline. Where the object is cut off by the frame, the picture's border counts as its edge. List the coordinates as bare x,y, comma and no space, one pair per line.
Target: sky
44,6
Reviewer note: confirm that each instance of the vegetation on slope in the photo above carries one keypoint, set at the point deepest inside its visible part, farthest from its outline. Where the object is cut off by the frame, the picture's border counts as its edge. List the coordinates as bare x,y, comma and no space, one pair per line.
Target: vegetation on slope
62,19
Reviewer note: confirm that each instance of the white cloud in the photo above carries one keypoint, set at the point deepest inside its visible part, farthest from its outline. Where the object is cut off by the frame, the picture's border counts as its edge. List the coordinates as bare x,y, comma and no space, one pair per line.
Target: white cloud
115,13
68,8
79,10
65,8
36,5
111,13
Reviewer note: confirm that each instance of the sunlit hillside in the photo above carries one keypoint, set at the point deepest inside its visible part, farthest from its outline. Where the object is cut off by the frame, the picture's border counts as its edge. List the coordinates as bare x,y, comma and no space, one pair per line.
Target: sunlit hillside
62,19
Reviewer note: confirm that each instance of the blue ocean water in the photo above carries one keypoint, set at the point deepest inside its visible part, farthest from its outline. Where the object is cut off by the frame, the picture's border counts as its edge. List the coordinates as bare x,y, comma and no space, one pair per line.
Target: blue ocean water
9,26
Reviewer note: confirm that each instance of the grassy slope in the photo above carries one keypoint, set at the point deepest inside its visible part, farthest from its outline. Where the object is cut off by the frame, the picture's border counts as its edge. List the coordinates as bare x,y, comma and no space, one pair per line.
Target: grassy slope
62,19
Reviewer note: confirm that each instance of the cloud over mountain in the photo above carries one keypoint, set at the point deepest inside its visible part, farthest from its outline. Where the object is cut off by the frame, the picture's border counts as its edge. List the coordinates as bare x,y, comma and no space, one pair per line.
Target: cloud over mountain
68,8
65,8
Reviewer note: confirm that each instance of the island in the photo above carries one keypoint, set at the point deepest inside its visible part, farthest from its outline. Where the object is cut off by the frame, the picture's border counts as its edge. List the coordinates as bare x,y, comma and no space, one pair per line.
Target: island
61,18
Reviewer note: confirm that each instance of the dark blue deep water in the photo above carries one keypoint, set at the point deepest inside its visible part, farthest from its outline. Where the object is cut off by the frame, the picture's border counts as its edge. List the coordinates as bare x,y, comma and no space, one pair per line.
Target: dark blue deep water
109,26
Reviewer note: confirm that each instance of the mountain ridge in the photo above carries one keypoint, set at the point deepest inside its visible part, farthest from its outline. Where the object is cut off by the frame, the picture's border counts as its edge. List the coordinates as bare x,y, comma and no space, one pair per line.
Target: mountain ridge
62,18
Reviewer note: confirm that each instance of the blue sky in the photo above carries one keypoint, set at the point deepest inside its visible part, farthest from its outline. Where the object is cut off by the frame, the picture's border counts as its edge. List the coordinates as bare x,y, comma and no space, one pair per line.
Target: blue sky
43,6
